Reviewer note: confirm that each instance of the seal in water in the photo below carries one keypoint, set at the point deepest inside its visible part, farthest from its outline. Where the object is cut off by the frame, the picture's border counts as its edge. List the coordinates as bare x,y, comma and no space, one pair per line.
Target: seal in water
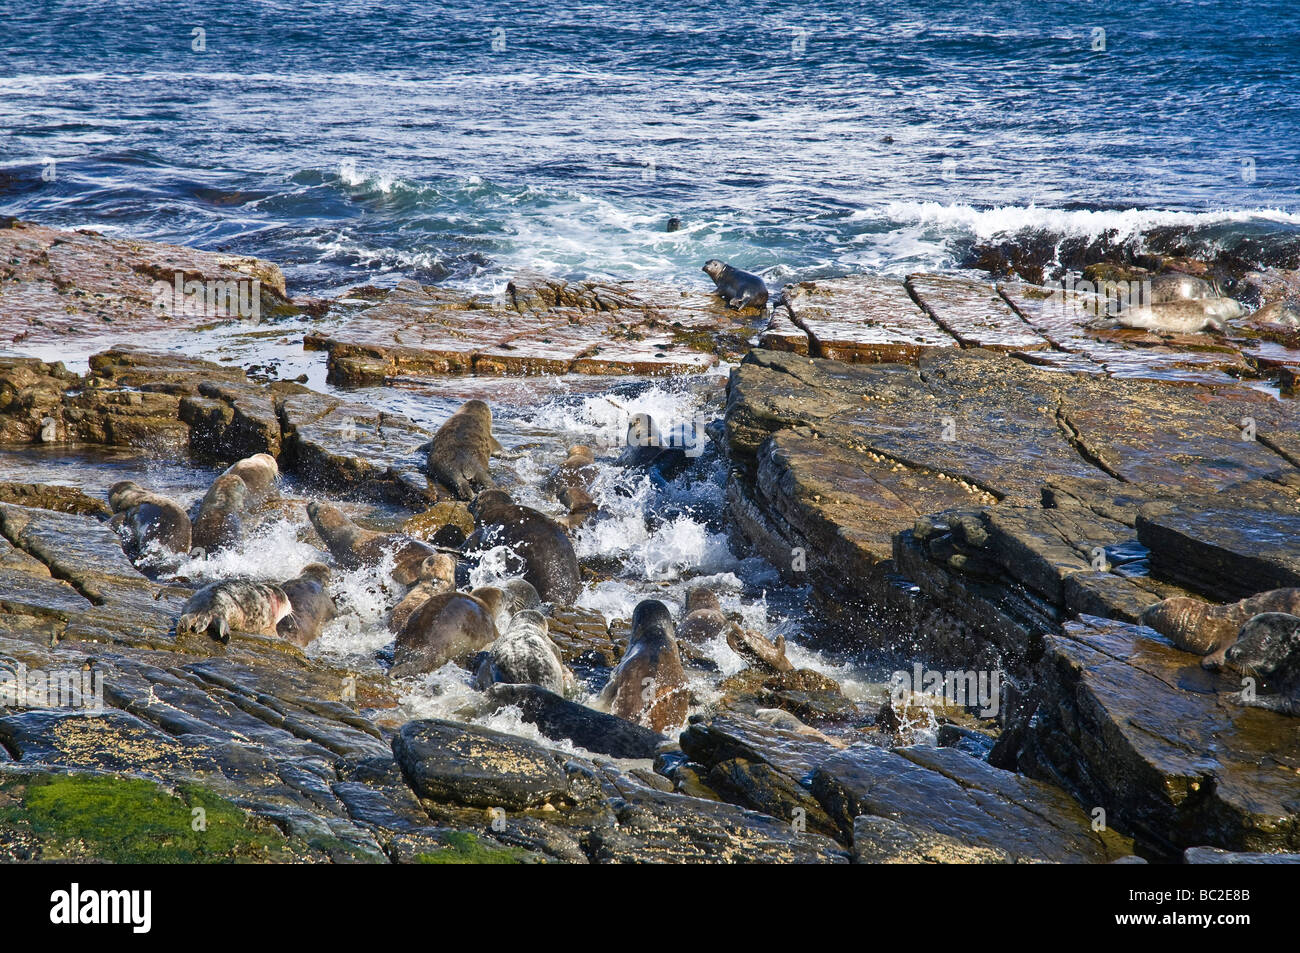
311,605
437,575
353,546
662,455
459,452
550,563
704,619
219,607
580,505
147,521
1268,648
525,655
1210,630
649,685
738,289
220,522
446,627
578,470
259,473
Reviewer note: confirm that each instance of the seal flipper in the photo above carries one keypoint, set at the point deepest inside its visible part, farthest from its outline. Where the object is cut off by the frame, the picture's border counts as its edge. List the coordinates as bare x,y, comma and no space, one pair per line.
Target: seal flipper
219,629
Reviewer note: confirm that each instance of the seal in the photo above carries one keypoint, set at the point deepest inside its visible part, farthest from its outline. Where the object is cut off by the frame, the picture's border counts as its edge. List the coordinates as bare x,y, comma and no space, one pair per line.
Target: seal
580,505
220,607
520,595
649,685
459,452
577,471
259,473
437,575
310,603
550,564
1268,648
354,546
525,655
662,455
703,620
738,289
1181,317
148,522
220,521
1208,629
446,627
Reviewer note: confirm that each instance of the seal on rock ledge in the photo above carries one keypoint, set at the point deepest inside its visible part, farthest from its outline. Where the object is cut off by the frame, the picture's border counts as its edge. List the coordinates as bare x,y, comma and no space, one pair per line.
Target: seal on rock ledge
310,603
1268,647
460,451
1210,630
738,289
219,607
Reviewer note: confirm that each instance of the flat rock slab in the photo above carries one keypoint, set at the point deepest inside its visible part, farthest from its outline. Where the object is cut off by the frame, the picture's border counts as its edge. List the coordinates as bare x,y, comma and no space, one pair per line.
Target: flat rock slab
974,313
863,319
541,326
477,767
1222,547
1128,723
946,792
58,287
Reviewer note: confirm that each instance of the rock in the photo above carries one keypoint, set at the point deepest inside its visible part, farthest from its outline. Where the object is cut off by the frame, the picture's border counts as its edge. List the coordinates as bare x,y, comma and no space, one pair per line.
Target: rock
1127,723
1225,548
52,496
879,840
476,767
974,313
1213,855
561,719
943,791
861,320
79,288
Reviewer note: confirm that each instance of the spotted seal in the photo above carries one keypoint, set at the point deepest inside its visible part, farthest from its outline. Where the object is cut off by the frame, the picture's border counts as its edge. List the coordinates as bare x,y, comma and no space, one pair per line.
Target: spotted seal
525,655
220,607
738,289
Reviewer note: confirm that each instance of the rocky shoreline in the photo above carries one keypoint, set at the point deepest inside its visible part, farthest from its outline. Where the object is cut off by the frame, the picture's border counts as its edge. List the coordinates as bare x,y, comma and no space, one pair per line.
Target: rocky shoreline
960,475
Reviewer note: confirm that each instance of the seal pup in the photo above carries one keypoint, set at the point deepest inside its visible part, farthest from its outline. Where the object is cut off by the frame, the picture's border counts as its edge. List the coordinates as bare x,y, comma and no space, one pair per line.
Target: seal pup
1268,648
703,619
219,607
550,564
738,289
525,655
220,521
437,575
148,521
649,685
310,603
1208,629
354,546
461,449
448,626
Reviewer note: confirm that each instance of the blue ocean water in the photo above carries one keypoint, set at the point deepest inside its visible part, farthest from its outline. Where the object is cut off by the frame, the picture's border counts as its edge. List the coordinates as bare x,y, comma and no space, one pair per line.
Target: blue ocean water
355,141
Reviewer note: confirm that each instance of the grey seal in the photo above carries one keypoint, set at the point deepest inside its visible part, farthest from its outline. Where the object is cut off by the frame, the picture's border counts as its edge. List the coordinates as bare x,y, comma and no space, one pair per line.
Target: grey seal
525,655
148,522
310,603
550,564
649,685
460,451
738,289
220,607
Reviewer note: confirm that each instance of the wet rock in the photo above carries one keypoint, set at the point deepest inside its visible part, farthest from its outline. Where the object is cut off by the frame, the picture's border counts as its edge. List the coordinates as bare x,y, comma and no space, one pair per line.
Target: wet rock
670,828
1213,855
862,319
1128,723
945,792
59,287
51,496
974,313
1223,547
476,767
879,840
561,719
